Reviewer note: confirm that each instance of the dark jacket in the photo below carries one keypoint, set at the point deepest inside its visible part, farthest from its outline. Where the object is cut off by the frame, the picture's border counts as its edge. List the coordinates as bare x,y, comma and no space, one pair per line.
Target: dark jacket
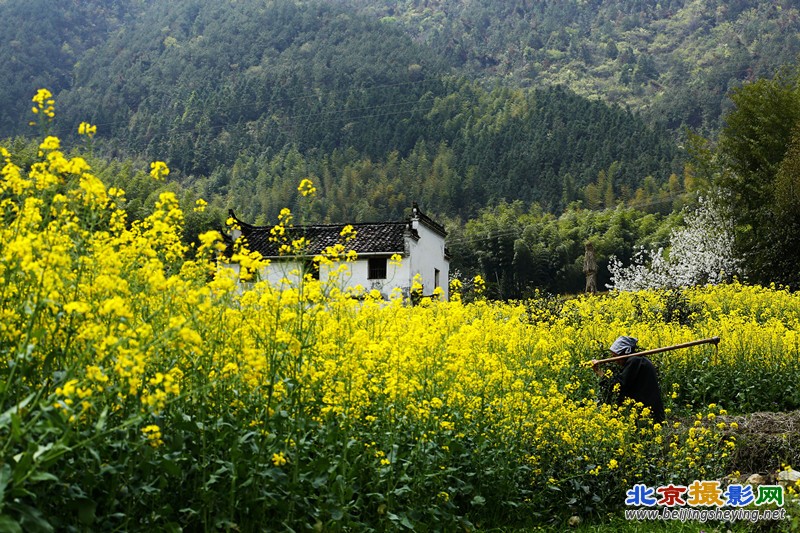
638,380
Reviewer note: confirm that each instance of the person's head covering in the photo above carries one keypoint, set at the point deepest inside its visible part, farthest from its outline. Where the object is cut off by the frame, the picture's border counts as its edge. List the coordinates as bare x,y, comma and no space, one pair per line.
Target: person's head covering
624,346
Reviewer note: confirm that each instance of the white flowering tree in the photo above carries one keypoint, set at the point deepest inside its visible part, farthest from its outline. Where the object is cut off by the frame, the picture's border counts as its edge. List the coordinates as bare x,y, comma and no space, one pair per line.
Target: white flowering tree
701,251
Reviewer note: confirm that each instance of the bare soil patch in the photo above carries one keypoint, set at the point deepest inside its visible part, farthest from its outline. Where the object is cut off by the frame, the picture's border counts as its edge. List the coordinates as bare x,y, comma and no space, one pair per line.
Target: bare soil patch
765,441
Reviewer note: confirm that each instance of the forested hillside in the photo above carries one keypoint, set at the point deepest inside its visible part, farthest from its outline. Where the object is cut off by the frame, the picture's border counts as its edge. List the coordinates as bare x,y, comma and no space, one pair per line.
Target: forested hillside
234,93
242,99
42,42
675,59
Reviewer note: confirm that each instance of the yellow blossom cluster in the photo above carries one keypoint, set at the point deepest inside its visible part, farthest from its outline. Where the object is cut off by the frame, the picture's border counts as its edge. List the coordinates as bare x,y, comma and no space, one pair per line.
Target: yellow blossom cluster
159,170
306,187
153,435
84,128
45,105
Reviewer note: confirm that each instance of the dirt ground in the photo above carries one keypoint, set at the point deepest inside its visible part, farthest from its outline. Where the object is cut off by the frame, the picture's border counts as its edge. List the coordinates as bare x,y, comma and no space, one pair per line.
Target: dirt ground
765,442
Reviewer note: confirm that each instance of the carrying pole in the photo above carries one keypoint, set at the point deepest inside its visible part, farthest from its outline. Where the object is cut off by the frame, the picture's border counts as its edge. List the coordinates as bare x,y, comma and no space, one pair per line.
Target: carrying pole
712,340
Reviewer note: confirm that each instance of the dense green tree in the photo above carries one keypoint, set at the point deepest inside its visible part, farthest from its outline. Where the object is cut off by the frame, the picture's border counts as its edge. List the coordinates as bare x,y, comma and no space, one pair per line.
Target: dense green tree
758,158
519,250
245,99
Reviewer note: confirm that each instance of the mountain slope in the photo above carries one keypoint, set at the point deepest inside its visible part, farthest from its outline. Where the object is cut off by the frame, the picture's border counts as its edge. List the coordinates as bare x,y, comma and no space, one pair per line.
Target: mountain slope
42,42
198,82
675,58
243,99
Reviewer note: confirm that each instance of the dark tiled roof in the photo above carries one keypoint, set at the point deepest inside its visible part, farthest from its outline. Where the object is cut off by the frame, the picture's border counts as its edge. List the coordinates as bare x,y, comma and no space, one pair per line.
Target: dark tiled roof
382,237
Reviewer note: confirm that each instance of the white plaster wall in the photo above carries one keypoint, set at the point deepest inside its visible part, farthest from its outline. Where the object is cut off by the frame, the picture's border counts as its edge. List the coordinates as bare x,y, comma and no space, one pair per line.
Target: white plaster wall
427,254
278,270
396,275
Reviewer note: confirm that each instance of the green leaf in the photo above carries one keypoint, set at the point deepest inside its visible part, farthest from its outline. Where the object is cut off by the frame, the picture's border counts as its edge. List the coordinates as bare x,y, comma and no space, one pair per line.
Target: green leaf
101,421
43,476
9,525
16,426
170,467
46,455
403,520
24,462
5,477
31,519
5,418
41,450
247,436
189,512
399,491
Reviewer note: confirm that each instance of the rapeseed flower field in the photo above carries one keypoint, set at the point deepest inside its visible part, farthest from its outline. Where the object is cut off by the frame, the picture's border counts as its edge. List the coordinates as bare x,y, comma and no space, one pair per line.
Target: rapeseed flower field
143,388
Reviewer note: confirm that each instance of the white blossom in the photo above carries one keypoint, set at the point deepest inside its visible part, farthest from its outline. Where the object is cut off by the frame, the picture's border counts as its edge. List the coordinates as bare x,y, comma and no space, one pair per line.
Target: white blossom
699,252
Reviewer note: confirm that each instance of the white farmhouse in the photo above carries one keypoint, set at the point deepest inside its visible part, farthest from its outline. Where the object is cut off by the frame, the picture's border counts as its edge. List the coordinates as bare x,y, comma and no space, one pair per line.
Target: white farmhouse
419,241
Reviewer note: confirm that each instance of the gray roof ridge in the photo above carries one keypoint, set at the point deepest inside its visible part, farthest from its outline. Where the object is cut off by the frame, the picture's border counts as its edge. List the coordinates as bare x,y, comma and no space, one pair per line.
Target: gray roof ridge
322,225
354,224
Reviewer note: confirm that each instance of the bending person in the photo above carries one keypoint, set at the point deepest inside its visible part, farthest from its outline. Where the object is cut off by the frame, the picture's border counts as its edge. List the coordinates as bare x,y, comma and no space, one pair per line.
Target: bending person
638,379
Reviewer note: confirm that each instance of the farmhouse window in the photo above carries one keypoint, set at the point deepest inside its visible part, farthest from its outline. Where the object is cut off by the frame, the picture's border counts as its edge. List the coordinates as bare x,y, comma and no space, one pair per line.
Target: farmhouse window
376,268
310,267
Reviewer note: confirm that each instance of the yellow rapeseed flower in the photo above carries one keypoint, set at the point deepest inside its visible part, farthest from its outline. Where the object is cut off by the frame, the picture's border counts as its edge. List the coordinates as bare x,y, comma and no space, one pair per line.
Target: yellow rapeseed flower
159,170
278,459
306,187
153,435
84,128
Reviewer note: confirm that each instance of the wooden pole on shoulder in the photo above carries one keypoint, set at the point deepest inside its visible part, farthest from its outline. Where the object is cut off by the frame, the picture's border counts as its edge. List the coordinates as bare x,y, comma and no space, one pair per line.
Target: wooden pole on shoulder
712,340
